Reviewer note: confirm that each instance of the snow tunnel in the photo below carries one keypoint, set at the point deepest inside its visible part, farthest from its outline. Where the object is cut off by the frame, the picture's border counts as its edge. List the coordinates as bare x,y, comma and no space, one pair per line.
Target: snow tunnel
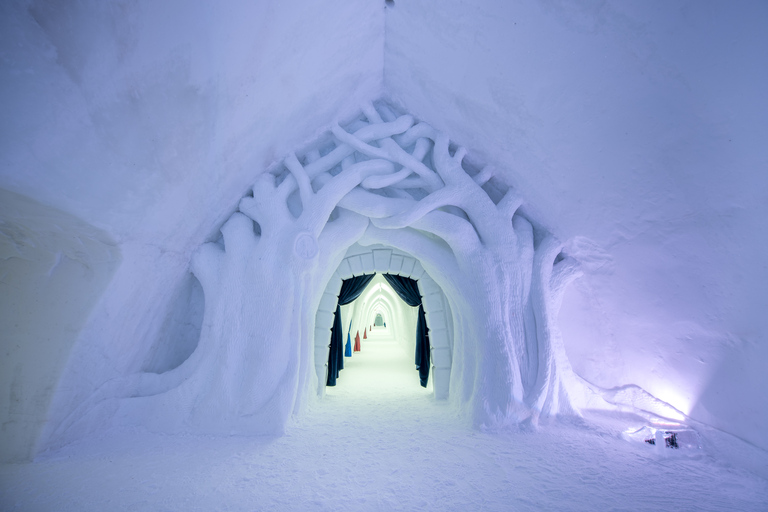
381,193
145,139
385,193
379,296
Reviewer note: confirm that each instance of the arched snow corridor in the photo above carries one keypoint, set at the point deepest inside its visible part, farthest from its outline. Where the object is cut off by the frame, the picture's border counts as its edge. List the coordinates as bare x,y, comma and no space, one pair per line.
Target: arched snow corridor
491,282
383,371
185,185
384,194
379,296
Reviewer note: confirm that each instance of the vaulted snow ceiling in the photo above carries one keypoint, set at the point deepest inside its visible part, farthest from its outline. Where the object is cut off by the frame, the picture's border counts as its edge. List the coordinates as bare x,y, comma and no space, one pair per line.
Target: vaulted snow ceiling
636,132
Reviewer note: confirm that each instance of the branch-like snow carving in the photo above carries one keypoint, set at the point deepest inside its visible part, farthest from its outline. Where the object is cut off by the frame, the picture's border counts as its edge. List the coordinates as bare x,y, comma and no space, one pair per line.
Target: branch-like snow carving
382,179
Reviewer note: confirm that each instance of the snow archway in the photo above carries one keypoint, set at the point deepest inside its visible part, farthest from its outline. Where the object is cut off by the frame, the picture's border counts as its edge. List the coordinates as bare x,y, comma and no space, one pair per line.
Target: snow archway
389,180
401,189
367,260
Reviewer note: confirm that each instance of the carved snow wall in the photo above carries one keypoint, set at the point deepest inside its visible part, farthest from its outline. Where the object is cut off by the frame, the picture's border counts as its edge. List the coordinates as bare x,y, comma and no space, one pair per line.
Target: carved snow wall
382,179
403,189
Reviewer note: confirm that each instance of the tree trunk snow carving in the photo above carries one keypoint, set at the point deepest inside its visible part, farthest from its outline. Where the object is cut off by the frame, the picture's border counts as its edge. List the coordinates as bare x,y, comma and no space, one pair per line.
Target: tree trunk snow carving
258,286
510,284
381,179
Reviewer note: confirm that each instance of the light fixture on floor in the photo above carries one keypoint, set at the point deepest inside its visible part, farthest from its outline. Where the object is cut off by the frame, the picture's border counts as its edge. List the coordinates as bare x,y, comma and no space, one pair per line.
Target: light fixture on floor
669,436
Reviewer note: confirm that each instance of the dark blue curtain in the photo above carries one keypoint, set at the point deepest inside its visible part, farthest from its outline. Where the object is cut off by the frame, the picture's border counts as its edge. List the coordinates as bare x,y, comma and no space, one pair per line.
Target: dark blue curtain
348,346
350,290
408,290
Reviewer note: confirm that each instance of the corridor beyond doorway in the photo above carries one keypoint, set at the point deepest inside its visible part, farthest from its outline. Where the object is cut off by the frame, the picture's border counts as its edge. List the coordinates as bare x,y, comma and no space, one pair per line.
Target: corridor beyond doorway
407,324
382,368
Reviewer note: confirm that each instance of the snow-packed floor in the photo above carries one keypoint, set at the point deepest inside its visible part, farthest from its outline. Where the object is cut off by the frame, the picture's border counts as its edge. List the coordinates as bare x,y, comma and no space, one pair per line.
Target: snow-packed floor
379,442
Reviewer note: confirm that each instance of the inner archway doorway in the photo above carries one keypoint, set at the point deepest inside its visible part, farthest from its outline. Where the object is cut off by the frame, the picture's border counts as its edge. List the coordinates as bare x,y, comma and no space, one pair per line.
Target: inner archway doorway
360,260
378,361
395,297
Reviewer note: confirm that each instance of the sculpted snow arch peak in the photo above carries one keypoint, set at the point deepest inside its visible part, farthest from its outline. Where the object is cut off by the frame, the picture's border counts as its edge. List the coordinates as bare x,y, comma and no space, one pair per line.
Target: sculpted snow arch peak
421,198
269,286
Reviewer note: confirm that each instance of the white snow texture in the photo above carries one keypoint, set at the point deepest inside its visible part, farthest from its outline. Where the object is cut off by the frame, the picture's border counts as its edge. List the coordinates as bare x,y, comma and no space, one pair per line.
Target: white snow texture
580,190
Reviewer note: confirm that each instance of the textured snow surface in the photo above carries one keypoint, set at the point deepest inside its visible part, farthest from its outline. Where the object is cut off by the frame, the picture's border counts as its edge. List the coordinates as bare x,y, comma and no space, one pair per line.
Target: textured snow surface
378,442
467,237
148,120
44,255
641,126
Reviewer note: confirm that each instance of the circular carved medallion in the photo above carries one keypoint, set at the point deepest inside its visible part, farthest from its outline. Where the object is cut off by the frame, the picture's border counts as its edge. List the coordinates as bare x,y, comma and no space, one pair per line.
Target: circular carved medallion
305,246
